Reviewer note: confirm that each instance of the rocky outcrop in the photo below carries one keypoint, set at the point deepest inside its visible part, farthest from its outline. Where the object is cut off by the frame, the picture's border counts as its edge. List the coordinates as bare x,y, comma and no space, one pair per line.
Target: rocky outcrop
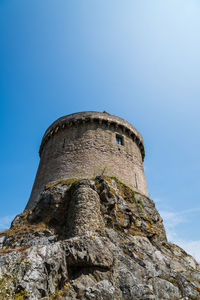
92,240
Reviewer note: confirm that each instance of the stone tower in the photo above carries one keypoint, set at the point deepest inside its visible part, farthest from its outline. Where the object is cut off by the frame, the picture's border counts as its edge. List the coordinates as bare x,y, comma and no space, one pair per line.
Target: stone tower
87,144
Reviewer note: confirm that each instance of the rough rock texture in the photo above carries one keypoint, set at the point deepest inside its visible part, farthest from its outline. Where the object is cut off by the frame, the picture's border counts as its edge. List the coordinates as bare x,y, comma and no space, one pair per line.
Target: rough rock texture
93,240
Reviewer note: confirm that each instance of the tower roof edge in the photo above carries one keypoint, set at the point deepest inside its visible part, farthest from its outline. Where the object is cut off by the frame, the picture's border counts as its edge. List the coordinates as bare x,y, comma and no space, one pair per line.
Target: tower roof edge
86,116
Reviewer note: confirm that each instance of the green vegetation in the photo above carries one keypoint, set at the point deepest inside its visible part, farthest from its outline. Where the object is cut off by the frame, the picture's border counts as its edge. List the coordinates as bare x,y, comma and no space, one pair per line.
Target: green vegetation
140,205
5,289
62,181
133,195
4,285
21,295
125,186
60,294
119,181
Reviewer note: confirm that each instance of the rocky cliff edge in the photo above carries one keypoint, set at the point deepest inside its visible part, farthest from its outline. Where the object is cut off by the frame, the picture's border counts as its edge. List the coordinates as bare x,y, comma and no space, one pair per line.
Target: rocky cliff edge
93,240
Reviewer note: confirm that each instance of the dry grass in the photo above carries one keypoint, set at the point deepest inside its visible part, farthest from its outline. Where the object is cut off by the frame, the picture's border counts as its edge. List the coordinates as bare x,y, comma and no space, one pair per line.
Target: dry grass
61,181
8,250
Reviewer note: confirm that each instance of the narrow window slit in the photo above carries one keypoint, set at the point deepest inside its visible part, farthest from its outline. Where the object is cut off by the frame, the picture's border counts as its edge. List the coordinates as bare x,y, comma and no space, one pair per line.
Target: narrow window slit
63,144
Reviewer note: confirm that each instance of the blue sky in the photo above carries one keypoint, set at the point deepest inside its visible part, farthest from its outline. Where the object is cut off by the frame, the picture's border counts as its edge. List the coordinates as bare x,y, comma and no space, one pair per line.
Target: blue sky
138,59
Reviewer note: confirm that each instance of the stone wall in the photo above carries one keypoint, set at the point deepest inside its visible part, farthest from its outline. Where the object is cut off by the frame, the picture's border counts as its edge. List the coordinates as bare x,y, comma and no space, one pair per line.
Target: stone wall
84,147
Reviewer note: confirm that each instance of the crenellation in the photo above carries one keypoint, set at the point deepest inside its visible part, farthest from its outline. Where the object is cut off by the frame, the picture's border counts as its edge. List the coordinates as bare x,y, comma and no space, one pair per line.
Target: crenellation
100,121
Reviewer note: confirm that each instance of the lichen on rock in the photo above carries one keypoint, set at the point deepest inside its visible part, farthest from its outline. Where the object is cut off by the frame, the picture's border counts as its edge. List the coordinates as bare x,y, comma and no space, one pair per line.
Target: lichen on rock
93,239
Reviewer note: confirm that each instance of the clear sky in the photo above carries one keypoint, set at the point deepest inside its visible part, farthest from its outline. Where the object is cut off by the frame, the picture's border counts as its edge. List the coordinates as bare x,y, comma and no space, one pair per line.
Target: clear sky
138,59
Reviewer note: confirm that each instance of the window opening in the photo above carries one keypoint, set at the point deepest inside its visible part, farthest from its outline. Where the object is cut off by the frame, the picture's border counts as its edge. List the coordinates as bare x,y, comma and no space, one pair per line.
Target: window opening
136,184
119,140
63,144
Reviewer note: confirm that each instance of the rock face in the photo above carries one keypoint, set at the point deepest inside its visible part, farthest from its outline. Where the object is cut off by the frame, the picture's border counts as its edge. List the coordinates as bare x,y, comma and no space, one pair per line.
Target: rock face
93,240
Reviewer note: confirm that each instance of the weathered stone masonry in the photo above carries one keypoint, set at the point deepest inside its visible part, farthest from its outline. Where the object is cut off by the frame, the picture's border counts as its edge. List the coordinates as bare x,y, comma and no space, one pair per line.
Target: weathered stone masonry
84,145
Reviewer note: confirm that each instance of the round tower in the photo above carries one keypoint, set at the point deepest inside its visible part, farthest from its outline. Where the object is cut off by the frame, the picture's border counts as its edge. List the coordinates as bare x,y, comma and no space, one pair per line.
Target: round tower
87,144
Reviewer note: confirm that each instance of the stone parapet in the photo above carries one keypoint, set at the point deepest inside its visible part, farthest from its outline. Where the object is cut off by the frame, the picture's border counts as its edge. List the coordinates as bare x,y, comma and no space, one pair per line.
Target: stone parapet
92,116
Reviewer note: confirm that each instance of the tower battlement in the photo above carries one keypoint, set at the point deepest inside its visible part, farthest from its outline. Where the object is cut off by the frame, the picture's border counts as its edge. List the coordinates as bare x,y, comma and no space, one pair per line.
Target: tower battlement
87,144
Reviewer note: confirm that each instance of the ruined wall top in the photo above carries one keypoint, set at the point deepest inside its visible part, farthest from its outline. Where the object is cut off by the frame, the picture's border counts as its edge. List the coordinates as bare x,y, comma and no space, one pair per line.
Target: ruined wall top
93,116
